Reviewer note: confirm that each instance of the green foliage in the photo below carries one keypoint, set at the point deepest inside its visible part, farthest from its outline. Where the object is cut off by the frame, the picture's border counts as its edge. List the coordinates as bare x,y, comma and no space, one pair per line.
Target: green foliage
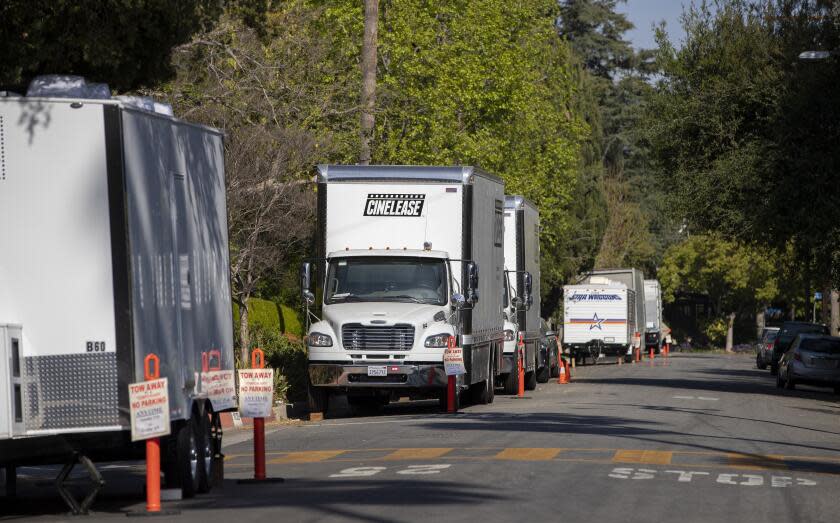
288,358
488,83
126,43
291,321
736,277
261,314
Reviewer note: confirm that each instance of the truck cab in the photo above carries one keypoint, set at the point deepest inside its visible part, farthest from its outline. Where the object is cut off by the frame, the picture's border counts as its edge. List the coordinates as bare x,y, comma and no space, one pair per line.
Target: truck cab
386,319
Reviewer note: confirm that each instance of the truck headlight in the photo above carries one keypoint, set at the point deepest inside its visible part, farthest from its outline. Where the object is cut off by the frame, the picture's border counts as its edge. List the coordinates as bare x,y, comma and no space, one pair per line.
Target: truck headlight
509,335
437,341
316,339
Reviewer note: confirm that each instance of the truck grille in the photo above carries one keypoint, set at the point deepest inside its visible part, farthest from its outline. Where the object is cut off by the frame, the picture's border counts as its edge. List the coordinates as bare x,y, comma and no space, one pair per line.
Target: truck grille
355,336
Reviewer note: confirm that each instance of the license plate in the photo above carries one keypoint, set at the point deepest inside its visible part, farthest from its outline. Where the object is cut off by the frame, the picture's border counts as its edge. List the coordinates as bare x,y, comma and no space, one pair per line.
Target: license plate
377,371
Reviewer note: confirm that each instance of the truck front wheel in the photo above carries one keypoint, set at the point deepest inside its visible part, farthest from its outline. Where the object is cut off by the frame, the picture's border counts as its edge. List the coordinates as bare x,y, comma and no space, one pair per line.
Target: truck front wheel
319,399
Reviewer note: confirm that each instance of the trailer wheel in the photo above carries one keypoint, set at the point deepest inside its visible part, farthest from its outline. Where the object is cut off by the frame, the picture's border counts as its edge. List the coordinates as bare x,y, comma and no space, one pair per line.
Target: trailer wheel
482,392
204,433
531,377
187,460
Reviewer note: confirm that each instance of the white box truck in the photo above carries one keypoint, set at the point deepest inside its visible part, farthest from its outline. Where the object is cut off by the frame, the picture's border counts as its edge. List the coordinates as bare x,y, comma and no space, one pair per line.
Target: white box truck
522,265
598,319
113,246
634,280
407,256
653,316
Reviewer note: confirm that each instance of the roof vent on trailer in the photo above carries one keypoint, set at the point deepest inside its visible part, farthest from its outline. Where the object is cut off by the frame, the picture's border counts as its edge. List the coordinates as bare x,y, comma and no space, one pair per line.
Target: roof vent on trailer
66,86
147,104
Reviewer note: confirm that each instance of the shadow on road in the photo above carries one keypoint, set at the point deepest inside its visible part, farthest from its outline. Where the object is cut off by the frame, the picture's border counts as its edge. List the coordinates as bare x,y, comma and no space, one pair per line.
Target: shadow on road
329,497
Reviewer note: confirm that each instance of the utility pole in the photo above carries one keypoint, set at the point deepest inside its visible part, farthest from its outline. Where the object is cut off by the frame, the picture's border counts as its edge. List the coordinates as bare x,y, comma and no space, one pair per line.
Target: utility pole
368,95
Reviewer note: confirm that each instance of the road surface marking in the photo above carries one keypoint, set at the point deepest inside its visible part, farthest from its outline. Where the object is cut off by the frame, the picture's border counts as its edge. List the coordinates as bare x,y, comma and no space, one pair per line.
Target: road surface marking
516,454
358,472
726,478
683,397
311,456
653,457
414,470
406,454
704,398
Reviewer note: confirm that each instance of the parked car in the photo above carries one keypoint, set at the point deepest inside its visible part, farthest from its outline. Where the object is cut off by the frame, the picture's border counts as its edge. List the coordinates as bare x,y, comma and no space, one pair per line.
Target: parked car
786,336
812,359
764,347
549,353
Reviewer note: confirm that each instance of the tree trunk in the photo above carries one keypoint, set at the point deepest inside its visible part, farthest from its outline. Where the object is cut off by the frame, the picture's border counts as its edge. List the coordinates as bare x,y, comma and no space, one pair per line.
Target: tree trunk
760,321
244,335
730,328
835,312
368,95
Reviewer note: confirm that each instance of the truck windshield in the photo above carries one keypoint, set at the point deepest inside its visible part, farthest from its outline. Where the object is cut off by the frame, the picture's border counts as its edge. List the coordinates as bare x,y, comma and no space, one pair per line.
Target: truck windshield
399,279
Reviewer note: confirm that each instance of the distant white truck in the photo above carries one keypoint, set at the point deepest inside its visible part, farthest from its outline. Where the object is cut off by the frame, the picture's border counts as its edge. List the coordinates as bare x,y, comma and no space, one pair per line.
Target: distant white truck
653,316
399,253
522,265
599,319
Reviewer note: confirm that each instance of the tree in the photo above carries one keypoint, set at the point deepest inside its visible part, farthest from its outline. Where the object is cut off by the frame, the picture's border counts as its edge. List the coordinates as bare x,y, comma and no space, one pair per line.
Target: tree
488,83
126,43
368,95
737,278
283,100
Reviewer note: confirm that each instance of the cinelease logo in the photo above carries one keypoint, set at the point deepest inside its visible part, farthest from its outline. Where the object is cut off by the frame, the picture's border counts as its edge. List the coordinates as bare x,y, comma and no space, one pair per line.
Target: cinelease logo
379,204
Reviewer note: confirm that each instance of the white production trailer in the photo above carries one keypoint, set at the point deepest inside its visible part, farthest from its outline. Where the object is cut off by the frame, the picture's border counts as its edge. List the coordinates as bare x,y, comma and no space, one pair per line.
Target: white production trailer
653,315
113,246
598,320
634,280
522,263
399,253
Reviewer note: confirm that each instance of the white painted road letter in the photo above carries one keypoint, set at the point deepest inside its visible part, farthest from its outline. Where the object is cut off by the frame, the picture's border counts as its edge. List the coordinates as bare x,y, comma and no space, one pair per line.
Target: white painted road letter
686,475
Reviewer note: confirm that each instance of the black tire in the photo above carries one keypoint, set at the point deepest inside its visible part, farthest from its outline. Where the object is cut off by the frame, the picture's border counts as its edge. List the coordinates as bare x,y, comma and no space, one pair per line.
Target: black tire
319,400
511,384
187,460
207,463
837,389
481,393
531,378
555,369
543,374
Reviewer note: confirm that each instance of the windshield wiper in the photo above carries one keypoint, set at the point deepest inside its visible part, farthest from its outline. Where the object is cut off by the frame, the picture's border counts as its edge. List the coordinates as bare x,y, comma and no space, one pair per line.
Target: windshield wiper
413,299
344,296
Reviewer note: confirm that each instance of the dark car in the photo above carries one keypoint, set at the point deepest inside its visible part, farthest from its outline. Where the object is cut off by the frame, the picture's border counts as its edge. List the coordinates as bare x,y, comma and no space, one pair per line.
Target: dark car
812,359
549,354
788,332
764,347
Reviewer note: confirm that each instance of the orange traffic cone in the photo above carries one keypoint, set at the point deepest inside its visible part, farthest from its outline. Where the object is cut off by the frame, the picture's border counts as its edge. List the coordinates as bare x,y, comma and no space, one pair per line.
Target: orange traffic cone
564,375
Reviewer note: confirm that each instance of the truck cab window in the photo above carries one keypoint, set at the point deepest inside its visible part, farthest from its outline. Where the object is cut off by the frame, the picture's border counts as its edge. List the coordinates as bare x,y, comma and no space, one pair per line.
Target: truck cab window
397,279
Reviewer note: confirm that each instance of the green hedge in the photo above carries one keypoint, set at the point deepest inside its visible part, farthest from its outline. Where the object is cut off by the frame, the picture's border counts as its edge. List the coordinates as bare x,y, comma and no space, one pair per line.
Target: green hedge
290,321
288,359
261,313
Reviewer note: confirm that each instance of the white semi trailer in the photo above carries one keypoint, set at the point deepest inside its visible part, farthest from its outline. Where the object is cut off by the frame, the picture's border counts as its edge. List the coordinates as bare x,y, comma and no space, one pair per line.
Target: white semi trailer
407,256
653,316
113,246
522,264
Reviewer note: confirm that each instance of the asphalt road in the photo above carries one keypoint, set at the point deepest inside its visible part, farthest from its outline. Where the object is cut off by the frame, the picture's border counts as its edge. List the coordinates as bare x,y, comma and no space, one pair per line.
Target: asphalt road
691,438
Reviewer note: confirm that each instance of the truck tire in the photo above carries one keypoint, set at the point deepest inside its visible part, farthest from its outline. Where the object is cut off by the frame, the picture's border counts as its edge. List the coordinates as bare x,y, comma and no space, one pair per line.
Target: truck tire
511,383
481,393
207,463
531,378
187,458
543,374
319,399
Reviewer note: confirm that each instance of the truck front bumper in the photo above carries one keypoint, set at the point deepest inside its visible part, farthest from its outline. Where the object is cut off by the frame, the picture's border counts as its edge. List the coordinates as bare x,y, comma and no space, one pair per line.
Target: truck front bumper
405,376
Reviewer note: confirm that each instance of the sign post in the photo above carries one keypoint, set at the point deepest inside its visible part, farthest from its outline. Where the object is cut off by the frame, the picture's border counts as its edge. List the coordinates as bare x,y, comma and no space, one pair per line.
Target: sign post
256,396
453,363
520,366
149,402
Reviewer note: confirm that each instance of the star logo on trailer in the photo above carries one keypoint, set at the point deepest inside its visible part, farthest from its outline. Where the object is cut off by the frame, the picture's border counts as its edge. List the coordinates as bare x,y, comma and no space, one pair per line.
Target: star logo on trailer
596,322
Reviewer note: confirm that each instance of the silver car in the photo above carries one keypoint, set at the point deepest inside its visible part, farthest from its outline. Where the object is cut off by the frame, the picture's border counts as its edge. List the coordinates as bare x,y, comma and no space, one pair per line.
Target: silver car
812,359
764,347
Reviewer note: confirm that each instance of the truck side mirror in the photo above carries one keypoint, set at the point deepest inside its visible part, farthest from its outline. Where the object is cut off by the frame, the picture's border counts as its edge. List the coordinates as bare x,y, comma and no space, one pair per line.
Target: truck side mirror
306,283
472,283
517,303
529,287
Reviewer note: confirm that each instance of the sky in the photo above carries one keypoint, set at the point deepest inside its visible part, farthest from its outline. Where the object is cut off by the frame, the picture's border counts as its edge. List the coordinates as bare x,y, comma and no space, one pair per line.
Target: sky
645,13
